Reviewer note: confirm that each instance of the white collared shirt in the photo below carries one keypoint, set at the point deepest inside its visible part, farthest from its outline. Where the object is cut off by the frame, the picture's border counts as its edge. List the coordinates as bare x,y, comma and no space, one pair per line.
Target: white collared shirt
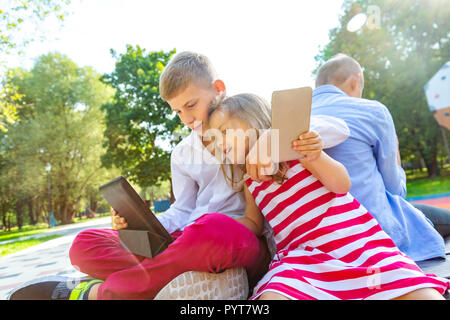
199,185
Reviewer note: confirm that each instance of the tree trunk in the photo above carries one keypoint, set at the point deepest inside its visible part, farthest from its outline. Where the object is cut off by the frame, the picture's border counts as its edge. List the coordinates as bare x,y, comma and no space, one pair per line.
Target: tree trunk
433,170
430,162
3,212
93,203
8,223
19,213
64,213
72,214
31,214
67,213
41,211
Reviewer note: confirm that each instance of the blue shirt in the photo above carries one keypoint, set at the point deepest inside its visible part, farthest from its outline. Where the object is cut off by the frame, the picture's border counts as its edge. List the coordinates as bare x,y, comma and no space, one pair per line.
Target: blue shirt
378,182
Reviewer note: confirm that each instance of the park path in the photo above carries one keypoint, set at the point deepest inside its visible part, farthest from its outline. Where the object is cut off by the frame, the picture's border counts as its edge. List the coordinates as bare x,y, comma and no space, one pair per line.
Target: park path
45,259
437,200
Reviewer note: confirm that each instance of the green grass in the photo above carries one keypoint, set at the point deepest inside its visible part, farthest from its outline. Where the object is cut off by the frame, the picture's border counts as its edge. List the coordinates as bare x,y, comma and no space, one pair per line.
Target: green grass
427,186
418,183
20,245
25,231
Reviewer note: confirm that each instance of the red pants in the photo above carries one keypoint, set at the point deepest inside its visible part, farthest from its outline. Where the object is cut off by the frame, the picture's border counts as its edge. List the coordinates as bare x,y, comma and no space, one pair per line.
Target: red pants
213,243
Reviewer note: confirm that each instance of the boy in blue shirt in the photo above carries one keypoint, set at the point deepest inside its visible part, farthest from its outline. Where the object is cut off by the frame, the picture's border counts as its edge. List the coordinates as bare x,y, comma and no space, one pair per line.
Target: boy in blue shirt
372,159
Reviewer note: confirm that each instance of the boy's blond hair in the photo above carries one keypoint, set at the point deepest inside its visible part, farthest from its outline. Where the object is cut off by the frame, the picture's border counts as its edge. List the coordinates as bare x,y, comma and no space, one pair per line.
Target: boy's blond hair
184,68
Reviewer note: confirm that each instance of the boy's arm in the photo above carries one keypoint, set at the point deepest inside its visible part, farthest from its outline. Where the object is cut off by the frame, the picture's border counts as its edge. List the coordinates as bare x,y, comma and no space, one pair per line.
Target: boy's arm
387,155
254,220
185,191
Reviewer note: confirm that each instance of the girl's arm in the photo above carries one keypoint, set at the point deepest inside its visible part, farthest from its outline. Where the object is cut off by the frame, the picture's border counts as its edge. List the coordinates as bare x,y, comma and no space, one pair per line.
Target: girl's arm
254,220
331,174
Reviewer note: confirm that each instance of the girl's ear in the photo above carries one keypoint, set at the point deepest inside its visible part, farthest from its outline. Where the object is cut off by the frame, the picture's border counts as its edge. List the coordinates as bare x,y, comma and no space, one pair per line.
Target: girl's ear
219,86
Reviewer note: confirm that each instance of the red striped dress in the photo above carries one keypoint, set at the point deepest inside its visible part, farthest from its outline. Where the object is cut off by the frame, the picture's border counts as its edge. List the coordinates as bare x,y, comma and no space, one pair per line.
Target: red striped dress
329,246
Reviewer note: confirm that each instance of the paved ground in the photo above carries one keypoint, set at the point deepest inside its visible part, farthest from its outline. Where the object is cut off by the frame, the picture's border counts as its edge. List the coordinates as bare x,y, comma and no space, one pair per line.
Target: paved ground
48,258
441,202
437,200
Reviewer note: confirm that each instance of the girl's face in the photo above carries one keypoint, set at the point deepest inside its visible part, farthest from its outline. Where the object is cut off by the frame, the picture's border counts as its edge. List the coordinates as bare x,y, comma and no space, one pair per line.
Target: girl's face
235,136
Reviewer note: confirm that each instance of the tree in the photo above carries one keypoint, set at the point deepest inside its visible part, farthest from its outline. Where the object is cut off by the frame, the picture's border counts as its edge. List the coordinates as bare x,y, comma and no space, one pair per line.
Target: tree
399,56
15,16
61,124
138,117
8,100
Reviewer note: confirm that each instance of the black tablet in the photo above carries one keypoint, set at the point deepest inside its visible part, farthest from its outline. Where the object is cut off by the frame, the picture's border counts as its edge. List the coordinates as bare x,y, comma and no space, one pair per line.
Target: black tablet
127,202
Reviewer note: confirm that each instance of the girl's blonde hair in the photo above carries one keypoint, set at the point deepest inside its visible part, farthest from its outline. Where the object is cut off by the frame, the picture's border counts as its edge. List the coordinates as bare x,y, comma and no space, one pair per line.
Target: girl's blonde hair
255,112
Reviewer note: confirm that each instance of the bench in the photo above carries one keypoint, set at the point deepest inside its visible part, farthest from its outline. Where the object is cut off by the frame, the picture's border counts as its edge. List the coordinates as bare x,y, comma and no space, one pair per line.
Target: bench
438,266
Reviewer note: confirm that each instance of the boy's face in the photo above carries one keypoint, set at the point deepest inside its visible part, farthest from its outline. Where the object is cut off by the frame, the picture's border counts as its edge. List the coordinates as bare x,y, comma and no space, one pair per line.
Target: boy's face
192,104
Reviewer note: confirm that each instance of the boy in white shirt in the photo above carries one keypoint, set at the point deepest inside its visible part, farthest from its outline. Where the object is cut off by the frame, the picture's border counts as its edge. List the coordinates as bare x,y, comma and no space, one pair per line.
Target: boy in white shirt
204,219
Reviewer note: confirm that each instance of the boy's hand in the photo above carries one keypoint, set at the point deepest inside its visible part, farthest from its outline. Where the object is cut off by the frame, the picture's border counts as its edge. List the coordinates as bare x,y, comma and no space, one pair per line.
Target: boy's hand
117,221
308,144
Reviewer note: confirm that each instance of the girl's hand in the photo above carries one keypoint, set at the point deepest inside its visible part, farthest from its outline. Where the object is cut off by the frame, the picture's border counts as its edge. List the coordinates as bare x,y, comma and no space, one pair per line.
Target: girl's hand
308,144
117,221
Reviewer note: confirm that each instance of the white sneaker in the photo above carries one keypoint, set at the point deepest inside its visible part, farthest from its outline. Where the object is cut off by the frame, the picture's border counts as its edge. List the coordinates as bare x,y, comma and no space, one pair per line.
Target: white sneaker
232,284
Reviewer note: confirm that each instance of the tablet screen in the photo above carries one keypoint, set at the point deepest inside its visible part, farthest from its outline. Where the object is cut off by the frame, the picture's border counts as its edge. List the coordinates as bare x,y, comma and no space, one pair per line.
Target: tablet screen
127,202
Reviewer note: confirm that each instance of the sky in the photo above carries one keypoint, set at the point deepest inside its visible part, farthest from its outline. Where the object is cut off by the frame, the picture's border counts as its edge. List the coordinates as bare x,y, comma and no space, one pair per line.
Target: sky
255,46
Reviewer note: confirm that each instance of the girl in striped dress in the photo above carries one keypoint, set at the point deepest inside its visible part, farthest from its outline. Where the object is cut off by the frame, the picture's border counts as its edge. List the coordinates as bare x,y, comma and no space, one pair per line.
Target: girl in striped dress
327,245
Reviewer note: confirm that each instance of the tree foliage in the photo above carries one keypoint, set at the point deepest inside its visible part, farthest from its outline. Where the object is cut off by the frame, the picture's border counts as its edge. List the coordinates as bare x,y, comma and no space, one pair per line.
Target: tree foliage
399,56
61,124
17,18
139,121
15,15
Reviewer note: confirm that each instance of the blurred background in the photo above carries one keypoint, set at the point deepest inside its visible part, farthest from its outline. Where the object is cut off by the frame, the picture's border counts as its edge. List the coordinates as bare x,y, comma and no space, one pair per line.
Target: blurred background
79,101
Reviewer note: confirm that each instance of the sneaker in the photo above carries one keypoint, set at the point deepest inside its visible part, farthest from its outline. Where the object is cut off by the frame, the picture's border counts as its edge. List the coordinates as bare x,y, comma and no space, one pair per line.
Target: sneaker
232,284
50,288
